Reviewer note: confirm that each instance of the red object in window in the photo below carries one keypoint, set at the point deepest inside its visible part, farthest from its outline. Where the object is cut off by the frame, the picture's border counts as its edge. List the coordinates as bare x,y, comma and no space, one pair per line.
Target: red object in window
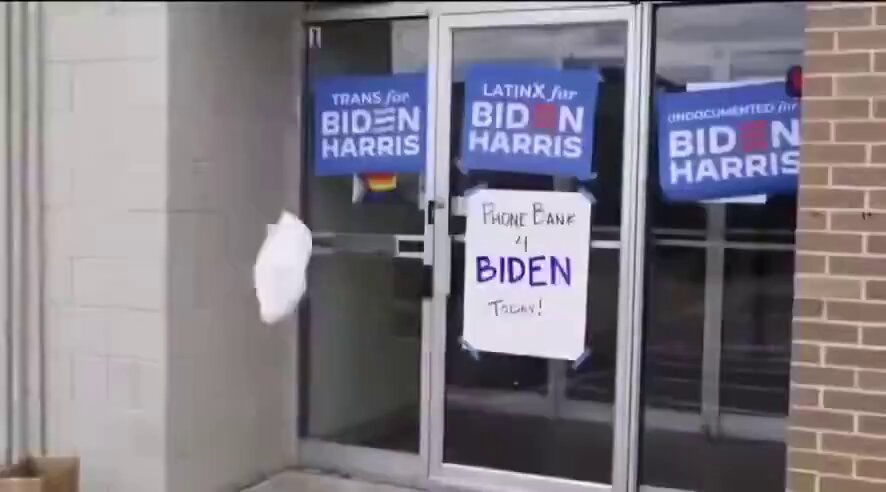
544,116
794,81
752,136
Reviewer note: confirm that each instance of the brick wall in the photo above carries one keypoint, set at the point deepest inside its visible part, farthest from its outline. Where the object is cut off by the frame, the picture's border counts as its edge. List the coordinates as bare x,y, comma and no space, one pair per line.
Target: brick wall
837,429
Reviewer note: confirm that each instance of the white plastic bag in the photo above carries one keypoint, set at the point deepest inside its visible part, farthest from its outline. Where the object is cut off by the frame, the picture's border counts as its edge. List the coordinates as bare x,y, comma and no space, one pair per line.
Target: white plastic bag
281,268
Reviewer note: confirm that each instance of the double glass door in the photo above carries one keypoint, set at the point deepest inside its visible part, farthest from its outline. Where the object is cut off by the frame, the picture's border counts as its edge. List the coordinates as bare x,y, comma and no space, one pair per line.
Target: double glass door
389,390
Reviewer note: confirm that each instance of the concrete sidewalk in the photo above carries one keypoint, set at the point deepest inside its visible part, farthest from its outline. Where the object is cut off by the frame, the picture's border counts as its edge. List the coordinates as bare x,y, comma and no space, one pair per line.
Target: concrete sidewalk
297,481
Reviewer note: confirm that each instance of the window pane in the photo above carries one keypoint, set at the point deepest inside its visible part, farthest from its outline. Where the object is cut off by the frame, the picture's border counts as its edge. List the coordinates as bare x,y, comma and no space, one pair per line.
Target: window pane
720,288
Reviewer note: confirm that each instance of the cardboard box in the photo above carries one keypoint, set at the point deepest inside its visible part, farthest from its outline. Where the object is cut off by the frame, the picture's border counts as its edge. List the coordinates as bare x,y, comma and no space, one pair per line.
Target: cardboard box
60,474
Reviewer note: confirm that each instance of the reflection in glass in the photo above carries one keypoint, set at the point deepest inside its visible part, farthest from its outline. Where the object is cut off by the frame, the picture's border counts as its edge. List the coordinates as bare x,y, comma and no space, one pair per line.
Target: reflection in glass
719,279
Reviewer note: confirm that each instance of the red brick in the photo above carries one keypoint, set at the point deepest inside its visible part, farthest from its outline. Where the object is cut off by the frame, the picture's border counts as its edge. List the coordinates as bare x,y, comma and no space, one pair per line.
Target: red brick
814,175
801,481
826,376
850,444
880,62
874,336
822,85
880,104
854,401
860,131
816,131
878,152
854,357
821,420
871,469
859,176
844,17
881,16
806,263
803,439
821,40
833,153
836,63
808,308
804,397
823,463
872,424
806,352
828,288
867,39
878,199
876,245
824,331
839,484
856,265
836,109
875,289
811,220
872,380
829,242
861,85
830,198
858,221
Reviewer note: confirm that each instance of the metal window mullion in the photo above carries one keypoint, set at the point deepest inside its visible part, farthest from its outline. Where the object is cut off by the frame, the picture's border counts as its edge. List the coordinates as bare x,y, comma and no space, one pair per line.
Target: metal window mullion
16,93
5,223
35,384
713,318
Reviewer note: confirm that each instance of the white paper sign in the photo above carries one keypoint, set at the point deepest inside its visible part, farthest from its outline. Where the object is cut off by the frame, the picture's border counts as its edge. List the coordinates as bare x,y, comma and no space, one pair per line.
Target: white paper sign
526,272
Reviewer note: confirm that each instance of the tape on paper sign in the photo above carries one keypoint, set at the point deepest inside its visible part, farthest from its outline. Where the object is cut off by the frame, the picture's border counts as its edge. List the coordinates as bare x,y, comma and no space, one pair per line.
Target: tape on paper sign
370,124
530,119
728,142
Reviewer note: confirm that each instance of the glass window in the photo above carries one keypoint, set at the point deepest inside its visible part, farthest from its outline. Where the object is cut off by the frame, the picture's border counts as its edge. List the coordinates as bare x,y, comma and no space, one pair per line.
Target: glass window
719,280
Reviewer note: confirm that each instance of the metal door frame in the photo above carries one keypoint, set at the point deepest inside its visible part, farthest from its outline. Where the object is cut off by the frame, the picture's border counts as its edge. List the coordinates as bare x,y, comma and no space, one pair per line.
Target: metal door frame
626,408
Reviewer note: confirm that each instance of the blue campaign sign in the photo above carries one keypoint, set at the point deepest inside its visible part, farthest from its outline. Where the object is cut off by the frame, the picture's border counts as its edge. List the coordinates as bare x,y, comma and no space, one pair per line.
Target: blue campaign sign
370,124
728,142
530,119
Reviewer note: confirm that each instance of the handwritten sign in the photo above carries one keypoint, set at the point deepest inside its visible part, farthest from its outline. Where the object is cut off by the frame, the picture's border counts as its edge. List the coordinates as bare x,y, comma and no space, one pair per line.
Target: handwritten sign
370,124
728,142
526,272
530,119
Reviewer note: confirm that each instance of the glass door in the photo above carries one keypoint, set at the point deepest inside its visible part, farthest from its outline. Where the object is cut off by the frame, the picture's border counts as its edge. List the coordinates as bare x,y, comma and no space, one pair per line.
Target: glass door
362,350
514,421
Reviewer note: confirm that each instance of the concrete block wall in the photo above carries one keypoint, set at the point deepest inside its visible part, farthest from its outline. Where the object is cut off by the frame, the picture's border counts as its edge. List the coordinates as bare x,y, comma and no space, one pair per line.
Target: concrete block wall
837,435
170,142
233,130
105,67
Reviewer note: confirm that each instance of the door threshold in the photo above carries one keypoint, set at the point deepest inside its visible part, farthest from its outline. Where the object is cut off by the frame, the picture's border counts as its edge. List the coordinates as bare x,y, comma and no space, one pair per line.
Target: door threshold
312,481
